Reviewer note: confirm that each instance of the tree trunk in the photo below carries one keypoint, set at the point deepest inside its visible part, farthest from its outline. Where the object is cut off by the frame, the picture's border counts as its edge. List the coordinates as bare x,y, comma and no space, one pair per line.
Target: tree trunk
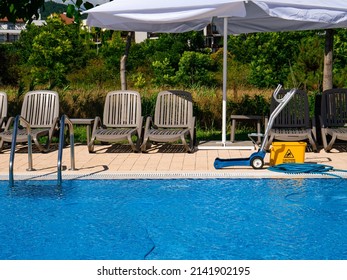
328,60
123,79
123,61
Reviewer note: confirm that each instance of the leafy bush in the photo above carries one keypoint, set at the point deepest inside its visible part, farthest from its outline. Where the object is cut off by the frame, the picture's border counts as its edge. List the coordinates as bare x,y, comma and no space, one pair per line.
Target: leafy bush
307,70
269,54
95,73
9,70
52,51
194,69
255,105
163,73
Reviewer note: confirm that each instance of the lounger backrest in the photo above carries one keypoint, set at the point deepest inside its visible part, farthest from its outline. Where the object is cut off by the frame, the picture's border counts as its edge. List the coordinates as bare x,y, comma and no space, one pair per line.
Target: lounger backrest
174,109
334,107
122,109
3,105
41,108
295,114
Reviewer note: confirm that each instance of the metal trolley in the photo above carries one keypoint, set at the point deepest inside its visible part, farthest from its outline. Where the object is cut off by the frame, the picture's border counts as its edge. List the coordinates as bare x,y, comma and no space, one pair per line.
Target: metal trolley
256,160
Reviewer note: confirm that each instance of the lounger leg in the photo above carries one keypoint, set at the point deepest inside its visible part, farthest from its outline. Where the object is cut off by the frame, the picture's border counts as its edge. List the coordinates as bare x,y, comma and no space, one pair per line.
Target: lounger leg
138,144
91,145
313,143
324,138
131,144
43,149
144,144
331,143
1,145
183,139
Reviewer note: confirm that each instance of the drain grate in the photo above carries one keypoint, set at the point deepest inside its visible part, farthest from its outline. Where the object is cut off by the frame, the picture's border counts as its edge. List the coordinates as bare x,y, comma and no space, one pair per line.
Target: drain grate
170,175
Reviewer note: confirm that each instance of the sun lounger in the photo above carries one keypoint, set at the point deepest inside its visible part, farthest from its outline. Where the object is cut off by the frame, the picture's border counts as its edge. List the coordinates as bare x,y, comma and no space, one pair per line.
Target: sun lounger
173,120
293,123
39,118
333,117
3,109
122,120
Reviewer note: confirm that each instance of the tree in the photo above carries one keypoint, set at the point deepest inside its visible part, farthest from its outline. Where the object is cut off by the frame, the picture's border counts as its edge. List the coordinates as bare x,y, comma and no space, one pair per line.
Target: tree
328,60
194,69
28,9
52,51
307,65
20,9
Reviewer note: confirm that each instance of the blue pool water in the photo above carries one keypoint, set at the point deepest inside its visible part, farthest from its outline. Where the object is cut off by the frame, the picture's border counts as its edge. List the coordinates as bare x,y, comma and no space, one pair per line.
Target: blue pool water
174,219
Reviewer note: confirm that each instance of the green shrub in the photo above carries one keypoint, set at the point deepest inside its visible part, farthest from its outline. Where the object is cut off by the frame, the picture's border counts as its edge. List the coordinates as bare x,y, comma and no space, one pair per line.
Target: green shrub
255,105
194,69
163,73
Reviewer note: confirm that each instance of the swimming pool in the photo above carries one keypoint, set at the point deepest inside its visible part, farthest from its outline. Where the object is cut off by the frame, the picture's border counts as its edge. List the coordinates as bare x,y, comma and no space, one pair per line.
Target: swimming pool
179,219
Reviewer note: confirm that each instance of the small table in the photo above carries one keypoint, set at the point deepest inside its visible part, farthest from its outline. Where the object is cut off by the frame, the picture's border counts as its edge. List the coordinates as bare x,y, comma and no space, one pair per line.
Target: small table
235,118
86,122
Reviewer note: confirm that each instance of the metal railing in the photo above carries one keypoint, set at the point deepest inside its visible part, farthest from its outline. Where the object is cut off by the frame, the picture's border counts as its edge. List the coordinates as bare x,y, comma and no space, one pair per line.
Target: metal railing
65,120
13,148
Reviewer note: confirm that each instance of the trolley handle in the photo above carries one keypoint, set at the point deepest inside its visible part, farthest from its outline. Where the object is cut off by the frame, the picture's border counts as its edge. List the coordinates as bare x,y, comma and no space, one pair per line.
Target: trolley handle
276,92
285,97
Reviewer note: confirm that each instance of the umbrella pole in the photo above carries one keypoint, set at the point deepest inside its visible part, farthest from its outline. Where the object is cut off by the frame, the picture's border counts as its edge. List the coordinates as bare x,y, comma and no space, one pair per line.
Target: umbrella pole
225,70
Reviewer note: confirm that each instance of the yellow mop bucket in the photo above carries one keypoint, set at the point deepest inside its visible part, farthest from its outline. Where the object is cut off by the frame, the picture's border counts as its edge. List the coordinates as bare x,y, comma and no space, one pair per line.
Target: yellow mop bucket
287,152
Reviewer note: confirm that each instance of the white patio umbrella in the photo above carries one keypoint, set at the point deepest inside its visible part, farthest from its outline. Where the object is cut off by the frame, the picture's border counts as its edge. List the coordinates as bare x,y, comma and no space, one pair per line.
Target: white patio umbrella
230,17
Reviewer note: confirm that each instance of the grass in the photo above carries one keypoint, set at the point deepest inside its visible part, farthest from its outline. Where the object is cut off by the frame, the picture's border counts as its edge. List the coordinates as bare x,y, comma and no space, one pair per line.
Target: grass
88,101
201,135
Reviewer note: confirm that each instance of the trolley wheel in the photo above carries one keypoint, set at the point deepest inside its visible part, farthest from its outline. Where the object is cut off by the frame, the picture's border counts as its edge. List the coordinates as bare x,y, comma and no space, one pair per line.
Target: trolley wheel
257,162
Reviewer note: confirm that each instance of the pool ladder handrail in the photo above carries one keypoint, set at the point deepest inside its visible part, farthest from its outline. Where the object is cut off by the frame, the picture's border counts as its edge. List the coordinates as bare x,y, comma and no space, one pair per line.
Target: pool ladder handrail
65,120
13,147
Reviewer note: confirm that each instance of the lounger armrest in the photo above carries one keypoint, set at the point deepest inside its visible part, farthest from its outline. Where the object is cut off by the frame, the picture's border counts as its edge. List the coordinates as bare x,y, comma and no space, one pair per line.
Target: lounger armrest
97,123
9,123
3,121
27,124
139,127
192,128
54,127
149,123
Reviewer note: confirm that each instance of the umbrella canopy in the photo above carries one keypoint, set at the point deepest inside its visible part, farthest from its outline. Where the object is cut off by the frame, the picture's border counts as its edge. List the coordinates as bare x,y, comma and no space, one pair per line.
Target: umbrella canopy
230,17
243,16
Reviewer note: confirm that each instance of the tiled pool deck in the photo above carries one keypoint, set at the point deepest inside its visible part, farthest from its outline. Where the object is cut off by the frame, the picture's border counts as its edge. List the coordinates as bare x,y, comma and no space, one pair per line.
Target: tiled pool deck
119,162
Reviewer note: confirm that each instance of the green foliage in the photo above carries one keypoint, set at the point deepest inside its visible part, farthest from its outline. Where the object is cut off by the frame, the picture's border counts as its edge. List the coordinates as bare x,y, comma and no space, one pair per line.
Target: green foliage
169,47
307,71
95,73
9,70
112,51
340,48
340,58
163,73
51,8
194,69
268,54
207,107
139,80
50,55
25,44
52,51
20,9
250,105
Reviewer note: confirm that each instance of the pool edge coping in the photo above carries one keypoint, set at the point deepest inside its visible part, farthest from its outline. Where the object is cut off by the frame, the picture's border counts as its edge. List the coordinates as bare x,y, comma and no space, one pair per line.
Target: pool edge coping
175,175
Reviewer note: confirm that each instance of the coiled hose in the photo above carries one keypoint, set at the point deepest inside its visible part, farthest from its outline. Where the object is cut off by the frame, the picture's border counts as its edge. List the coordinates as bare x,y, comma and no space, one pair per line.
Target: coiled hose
297,168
